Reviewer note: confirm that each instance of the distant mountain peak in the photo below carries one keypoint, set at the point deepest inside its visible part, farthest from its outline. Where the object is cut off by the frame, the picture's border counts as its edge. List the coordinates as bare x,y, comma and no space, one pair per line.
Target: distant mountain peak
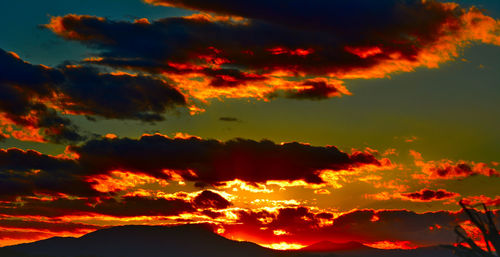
328,246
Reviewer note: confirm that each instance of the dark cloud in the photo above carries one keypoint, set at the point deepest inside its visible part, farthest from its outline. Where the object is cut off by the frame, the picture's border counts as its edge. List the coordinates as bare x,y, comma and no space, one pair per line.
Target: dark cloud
35,184
124,206
58,129
206,162
212,161
356,19
143,206
27,91
117,96
23,88
343,39
35,79
209,199
180,40
229,119
430,195
211,214
27,173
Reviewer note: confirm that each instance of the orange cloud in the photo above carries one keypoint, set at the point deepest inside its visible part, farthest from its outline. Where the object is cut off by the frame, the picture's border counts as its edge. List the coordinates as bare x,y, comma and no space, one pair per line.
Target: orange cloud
121,181
9,128
60,26
447,169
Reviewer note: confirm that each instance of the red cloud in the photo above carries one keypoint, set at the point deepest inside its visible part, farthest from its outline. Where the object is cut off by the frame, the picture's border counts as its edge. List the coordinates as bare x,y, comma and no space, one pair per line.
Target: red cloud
426,195
447,169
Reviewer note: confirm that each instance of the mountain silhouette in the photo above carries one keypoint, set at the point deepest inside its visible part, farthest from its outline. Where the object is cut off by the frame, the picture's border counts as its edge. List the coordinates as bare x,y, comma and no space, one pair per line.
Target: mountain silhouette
328,246
144,241
189,241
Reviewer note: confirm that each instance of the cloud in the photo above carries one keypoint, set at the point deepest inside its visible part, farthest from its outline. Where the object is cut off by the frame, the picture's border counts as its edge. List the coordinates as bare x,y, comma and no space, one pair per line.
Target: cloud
23,89
34,95
427,195
110,166
116,206
252,49
209,199
229,119
304,225
213,162
29,173
447,169
315,90
123,207
482,199
35,184
345,18
116,95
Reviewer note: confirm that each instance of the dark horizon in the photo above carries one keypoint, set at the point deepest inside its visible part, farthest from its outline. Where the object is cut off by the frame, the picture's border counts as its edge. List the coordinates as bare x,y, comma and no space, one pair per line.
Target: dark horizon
146,240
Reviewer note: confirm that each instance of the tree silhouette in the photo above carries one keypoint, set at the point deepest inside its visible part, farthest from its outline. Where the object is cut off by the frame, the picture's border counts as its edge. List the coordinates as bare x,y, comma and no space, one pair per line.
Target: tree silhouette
466,246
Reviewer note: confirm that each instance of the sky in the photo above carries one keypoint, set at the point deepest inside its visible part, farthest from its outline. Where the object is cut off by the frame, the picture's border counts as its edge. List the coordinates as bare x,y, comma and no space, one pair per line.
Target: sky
283,123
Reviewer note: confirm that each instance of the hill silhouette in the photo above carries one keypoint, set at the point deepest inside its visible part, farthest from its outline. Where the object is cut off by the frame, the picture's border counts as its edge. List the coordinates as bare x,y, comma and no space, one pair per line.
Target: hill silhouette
189,241
144,241
328,246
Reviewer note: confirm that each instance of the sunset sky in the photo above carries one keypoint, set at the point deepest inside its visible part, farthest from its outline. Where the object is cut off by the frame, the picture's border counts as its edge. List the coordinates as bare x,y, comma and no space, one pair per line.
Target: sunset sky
280,122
